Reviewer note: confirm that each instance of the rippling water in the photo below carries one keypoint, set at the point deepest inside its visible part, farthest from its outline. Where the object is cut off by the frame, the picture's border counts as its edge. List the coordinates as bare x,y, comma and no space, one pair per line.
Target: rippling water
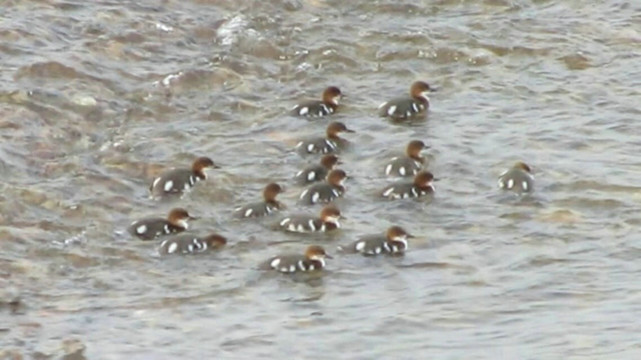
97,97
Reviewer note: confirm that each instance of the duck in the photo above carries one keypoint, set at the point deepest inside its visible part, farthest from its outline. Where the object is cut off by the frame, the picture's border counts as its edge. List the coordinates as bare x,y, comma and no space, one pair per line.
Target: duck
312,260
408,165
317,172
420,186
268,206
327,191
407,108
319,108
191,244
151,228
393,241
518,179
180,180
332,143
328,220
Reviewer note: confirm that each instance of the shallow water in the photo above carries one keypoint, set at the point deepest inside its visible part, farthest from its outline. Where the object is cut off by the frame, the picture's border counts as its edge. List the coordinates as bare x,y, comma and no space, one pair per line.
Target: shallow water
98,97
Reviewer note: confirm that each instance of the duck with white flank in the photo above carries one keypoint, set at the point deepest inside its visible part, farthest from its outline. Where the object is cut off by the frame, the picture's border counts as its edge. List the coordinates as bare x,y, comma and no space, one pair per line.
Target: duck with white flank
394,241
313,259
319,108
324,145
317,172
420,186
326,192
408,165
177,181
518,179
153,227
190,244
328,221
406,108
266,207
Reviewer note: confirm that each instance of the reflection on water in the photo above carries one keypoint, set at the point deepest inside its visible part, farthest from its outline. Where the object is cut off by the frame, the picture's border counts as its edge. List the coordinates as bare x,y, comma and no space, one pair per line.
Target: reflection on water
97,98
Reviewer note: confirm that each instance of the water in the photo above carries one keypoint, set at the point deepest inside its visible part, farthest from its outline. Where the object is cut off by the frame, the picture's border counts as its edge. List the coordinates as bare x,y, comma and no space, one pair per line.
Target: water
98,97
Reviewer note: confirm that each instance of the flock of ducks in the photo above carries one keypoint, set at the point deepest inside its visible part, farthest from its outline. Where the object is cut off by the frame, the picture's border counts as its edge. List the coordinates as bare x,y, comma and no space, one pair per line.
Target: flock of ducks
325,184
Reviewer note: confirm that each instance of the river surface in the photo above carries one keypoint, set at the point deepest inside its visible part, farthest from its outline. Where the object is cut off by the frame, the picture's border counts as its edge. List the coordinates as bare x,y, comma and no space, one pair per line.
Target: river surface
97,97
